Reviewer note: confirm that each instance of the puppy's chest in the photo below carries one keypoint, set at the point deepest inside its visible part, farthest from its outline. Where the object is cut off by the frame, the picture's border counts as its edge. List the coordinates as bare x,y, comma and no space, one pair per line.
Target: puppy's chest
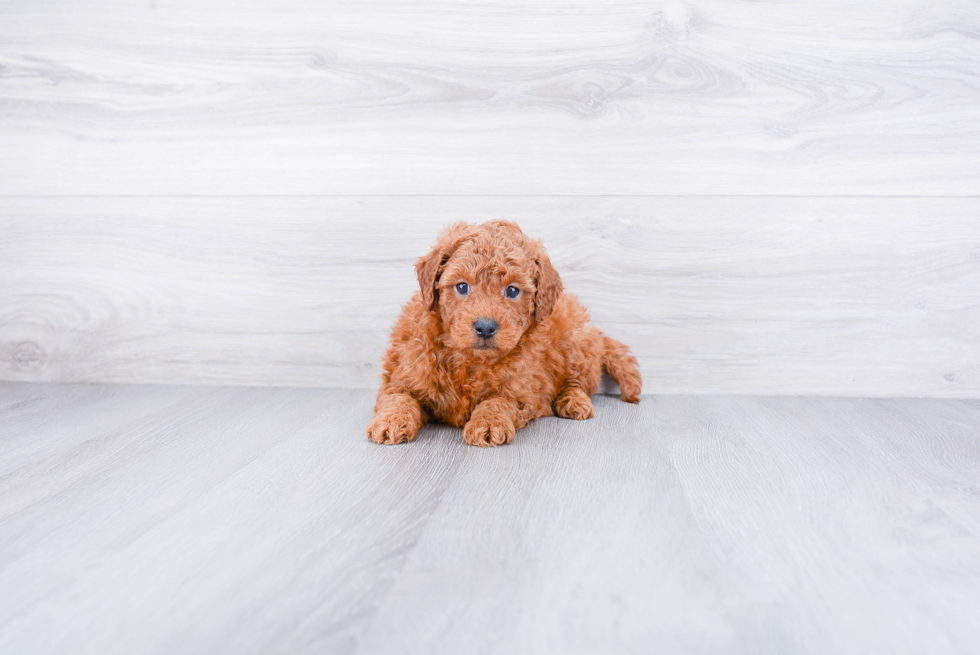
461,388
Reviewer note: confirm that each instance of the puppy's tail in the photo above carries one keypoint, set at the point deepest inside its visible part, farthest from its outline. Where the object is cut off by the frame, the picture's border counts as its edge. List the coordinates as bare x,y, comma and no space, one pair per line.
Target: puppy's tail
622,366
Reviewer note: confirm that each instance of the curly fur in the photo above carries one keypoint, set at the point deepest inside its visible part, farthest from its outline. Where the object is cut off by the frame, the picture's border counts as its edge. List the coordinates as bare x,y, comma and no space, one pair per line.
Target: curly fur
545,359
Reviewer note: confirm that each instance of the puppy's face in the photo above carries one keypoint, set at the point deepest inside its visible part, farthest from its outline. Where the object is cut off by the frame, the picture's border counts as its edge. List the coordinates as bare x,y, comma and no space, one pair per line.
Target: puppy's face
486,298
489,283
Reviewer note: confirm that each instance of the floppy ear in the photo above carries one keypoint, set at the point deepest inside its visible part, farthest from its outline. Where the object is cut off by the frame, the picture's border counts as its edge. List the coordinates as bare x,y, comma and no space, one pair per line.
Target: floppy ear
548,287
429,268
547,281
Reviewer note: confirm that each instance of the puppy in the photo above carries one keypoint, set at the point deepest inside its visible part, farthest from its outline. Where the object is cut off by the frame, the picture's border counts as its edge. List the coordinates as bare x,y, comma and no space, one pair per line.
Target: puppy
491,343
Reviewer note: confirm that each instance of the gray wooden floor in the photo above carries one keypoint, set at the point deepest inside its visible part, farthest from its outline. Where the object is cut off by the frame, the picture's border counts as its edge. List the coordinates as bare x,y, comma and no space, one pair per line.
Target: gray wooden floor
204,519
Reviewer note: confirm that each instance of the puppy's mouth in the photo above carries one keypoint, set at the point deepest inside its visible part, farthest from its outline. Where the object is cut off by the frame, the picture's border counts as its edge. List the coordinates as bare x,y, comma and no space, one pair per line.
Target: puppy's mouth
484,345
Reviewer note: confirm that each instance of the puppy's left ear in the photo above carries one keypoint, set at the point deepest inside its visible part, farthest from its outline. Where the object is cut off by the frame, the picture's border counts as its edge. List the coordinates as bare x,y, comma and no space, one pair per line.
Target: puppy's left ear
548,287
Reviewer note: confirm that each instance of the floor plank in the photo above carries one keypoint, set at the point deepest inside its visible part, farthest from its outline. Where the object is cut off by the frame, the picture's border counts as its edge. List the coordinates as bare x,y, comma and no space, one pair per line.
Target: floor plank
210,518
181,519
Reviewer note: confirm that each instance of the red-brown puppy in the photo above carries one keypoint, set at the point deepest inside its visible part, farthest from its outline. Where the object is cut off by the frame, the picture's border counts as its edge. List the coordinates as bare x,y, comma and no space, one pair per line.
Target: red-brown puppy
491,343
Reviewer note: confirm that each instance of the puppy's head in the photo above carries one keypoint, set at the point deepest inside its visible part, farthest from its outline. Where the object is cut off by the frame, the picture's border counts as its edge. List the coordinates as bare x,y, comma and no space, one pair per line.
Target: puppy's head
489,283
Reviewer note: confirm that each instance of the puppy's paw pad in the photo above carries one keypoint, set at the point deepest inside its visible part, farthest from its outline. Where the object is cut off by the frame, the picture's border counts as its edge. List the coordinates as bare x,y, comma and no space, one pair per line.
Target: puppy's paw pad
574,405
389,430
485,434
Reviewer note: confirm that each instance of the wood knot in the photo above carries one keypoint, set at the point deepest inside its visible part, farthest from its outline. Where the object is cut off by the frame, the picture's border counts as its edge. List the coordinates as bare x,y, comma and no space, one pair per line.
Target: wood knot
26,355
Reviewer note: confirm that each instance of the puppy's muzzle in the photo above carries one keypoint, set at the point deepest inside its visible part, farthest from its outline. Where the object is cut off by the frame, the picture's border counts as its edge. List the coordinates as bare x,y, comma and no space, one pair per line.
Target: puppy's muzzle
485,328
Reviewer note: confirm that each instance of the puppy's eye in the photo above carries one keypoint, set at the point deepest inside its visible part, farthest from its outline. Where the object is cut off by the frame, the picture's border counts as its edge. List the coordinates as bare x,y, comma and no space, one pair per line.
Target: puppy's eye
512,292
462,288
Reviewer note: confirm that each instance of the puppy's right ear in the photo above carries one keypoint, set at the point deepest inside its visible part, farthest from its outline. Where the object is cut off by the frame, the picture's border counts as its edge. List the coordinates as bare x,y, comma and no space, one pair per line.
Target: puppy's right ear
429,268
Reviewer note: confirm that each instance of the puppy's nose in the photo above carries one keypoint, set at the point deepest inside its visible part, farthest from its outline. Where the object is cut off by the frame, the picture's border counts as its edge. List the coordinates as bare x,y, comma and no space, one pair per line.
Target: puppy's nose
485,327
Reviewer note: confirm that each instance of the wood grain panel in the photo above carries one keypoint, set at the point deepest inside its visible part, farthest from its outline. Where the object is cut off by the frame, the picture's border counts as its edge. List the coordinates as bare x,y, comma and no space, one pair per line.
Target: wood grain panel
578,97
838,296
143,519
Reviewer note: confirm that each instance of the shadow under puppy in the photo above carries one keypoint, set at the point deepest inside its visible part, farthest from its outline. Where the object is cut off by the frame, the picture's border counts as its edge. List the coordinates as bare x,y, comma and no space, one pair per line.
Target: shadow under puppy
491,343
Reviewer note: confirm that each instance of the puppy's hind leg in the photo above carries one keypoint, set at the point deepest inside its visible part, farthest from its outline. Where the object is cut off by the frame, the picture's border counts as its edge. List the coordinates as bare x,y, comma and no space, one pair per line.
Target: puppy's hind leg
572,402
583,372
623,367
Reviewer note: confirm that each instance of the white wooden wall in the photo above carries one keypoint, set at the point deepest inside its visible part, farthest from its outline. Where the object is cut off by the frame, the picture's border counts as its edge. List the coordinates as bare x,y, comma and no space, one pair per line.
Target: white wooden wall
778,197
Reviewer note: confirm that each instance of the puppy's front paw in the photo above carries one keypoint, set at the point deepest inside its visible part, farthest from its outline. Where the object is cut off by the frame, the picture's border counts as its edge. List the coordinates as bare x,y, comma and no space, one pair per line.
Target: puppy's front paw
483,432
391,429
575,404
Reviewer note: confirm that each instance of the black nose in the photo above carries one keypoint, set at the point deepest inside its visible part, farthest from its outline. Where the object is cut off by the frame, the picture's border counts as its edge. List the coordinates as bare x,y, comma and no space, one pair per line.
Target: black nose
485,327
